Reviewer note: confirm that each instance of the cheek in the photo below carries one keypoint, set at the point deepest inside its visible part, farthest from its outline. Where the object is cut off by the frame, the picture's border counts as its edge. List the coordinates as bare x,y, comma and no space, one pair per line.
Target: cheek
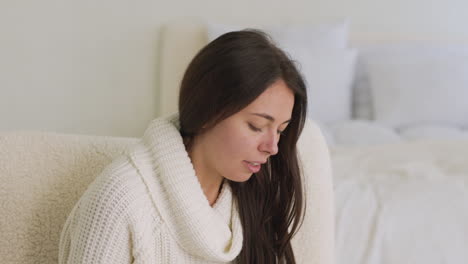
238,143
232,145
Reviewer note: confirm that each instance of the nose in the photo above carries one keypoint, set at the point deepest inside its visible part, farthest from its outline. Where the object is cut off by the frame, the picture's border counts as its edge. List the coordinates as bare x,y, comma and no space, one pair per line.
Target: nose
270,144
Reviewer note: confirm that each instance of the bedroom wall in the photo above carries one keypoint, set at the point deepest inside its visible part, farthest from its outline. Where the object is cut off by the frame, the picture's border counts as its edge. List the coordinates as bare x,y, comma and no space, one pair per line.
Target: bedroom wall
91,67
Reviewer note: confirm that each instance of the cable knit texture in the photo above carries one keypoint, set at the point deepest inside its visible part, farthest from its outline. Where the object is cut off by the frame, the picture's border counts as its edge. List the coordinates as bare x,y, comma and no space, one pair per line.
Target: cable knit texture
148,207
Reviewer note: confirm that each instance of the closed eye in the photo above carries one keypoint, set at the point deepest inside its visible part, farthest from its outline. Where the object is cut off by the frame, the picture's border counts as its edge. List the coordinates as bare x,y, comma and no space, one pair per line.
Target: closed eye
256,129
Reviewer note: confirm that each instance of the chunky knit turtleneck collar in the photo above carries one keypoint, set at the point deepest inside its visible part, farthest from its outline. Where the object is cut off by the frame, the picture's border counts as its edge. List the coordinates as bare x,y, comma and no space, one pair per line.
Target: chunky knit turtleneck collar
212,233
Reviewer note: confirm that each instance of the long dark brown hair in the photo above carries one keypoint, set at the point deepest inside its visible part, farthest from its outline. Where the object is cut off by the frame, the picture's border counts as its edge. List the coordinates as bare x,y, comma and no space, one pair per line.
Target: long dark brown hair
223,78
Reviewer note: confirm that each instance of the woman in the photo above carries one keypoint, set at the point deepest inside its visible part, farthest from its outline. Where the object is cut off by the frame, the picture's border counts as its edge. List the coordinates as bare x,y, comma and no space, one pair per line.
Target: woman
218,182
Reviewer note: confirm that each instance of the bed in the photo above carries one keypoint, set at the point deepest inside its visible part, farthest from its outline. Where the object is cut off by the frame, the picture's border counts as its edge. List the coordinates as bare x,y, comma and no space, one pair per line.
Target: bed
395,117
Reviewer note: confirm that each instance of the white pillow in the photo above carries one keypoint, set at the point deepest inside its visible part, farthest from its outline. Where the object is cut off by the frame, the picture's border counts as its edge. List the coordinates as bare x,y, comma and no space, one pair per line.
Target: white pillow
329,76
325,35
419,87
361,98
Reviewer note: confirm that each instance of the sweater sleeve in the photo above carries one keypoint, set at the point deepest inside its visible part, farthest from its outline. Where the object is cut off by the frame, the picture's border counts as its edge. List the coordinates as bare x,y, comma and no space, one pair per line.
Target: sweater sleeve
97,230
314,243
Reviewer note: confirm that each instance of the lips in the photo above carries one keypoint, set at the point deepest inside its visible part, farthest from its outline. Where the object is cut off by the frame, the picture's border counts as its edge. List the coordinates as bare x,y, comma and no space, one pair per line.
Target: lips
253,166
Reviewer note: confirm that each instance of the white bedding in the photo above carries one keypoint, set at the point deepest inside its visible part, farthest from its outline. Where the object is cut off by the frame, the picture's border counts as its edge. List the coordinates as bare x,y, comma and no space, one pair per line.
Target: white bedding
402,203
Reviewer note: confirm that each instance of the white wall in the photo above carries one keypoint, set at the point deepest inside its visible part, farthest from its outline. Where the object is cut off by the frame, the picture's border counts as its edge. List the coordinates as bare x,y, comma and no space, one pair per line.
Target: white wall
91,67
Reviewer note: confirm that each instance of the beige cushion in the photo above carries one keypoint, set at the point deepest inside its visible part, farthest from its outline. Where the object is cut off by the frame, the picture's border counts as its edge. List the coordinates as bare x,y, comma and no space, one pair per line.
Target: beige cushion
42,176
315,241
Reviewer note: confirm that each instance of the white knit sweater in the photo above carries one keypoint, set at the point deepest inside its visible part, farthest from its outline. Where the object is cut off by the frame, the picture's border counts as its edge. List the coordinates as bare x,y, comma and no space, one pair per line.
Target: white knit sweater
148,207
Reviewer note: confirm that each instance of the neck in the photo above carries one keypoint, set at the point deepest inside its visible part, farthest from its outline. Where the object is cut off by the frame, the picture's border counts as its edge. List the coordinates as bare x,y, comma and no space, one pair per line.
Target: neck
211,190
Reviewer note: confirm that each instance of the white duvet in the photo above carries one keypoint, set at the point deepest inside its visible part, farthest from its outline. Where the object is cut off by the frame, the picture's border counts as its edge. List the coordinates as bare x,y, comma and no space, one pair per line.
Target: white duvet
402,203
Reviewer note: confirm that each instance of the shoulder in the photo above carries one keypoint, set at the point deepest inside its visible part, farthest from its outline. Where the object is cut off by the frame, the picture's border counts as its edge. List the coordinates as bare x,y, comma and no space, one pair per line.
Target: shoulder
103,220
115,191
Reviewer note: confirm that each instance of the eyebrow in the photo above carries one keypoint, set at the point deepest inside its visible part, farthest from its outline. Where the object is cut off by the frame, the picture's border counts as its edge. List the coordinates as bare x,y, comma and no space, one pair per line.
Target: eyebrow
269,117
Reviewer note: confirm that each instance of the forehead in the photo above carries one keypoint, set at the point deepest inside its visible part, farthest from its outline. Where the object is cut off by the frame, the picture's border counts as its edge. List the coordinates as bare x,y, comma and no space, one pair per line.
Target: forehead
277,100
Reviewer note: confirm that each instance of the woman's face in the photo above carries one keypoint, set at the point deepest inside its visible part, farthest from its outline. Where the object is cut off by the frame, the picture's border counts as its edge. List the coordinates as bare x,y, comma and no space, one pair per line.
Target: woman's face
236,147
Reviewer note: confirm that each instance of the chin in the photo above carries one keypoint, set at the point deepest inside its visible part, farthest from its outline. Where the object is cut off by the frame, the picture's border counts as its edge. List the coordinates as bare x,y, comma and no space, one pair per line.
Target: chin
241,178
